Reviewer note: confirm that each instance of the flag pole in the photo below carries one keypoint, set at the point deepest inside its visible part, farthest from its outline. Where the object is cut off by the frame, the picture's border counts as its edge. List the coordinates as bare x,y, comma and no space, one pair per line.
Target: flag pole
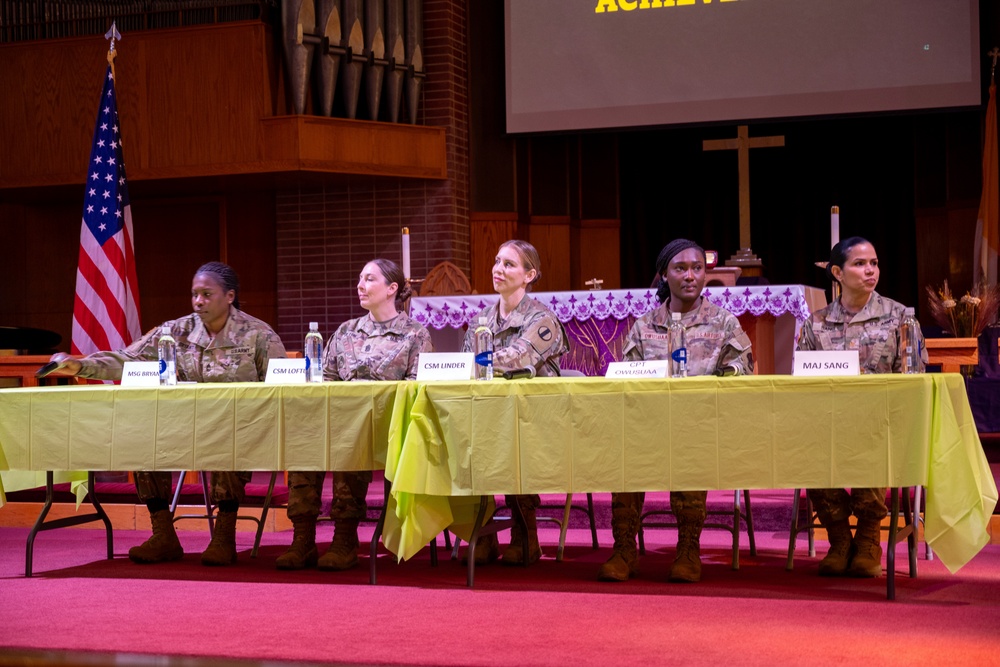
112,34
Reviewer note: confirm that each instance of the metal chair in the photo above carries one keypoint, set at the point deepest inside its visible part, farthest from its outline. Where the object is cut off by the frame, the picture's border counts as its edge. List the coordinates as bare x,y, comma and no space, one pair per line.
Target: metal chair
250,500
899,502
737,515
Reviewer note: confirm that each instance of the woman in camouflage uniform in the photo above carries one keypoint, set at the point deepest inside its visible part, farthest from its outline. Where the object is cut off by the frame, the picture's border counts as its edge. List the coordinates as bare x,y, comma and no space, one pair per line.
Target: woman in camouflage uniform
863,320
716,344
383,345
218,342
526,334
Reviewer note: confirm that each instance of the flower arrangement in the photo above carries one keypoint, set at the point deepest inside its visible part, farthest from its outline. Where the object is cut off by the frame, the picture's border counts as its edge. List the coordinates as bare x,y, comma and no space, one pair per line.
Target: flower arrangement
968,316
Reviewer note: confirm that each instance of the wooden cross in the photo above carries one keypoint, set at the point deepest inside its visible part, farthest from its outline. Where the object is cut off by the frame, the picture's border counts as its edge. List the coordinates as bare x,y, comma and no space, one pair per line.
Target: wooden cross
594,283
743,143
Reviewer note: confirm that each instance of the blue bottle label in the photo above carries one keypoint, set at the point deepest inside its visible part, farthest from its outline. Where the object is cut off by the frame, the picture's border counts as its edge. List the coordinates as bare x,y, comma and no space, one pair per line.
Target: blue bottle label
680,355
485,358
163,366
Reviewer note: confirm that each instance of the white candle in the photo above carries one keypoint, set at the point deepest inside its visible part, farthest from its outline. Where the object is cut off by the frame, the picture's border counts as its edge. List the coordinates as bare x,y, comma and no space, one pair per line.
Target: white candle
406,253
834,225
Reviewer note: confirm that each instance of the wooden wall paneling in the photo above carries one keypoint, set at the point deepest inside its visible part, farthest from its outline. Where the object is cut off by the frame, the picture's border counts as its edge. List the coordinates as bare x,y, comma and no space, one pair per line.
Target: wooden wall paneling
205,95
42,243
248,243
186,96
489,230
551,237
173,237
961,226
596,253
50,104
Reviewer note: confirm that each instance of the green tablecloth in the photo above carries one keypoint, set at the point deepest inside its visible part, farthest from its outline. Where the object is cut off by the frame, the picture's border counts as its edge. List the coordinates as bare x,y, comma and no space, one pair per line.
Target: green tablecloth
232,426
576,435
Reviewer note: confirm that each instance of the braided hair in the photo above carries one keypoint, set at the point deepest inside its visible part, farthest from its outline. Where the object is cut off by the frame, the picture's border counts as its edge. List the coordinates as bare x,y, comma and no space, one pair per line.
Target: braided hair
224,274
671,250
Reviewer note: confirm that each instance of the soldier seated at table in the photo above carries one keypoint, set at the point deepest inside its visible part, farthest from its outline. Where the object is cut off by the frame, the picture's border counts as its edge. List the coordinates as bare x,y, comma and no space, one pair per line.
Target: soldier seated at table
218,342
716,344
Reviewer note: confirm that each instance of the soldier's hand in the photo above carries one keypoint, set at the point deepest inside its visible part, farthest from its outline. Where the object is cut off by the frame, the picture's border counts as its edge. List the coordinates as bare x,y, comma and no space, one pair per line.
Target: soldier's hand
65,364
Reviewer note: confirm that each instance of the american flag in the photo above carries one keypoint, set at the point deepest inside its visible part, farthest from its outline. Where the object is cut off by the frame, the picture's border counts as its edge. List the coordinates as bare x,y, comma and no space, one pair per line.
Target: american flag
106,309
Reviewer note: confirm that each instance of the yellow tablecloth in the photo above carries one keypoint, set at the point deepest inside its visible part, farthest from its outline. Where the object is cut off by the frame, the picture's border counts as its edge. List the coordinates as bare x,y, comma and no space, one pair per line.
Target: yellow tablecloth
232,426
576,435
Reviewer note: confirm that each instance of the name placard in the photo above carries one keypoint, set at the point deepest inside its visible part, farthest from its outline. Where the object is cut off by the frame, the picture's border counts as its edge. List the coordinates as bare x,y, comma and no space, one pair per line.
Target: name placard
653,368
825,362
141,374
285,371
445,366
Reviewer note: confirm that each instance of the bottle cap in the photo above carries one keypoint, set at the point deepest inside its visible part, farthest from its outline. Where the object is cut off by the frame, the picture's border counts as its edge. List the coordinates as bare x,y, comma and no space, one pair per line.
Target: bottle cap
314,326
165,330
482,321
908,311
676,317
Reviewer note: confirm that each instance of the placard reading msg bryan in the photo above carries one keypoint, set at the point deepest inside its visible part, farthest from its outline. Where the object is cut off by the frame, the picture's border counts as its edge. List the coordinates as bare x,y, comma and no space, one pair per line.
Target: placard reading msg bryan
141,374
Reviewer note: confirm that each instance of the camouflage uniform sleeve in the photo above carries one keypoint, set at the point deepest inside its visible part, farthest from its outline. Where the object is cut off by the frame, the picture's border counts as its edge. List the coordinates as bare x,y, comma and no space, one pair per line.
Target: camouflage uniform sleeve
109,365
331,371
269,346
541,339
632,349
737,351
422,343
807,337
469,335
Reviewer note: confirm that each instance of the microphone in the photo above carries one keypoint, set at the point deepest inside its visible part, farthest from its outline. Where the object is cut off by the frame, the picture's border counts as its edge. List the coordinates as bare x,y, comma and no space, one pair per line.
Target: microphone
519,373
727,371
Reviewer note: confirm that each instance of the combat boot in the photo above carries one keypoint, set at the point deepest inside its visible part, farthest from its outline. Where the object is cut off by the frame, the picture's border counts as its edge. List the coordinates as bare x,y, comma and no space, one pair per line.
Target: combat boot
162,545
867,561
624,561
343,551
487,550
222,549
686,567
302,552
834,564
514,554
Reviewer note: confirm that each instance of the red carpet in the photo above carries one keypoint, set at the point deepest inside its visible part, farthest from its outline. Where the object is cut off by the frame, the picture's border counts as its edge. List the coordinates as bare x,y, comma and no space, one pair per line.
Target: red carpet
548,614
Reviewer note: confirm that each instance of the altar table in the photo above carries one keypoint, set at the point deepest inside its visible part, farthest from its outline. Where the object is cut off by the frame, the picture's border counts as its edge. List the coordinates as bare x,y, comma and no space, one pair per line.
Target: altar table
579,435
597,321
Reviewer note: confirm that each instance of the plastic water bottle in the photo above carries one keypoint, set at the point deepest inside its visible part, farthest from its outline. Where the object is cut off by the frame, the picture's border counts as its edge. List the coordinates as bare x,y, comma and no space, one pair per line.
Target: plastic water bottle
314,354
678,347
483,348
909,342
166,350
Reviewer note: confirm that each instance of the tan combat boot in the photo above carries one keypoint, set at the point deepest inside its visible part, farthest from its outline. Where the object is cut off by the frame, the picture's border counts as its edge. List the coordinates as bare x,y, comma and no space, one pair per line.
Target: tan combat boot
867,561
162,545
514,554
834,564
624,561
222,549
487,550
302,552
687,564
343,551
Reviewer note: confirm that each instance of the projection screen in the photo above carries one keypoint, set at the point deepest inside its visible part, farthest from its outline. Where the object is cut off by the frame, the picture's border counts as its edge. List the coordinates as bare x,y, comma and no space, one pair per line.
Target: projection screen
583,64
